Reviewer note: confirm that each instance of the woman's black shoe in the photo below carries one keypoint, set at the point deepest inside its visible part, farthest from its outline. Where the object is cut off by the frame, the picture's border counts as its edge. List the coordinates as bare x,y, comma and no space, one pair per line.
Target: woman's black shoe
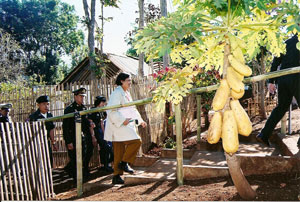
125,167
117,180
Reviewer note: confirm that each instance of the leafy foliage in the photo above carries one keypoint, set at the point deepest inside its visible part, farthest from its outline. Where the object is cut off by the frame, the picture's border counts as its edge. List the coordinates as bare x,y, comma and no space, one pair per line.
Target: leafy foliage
45,30
212,23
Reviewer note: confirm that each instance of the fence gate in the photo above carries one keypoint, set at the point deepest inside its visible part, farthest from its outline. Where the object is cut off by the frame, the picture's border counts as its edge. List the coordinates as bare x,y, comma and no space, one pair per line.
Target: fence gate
24,162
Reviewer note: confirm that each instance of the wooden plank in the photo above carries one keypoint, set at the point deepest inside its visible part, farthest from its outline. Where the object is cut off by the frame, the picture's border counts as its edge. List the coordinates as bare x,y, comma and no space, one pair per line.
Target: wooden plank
25,147
30,141
4,190
12,160
17,154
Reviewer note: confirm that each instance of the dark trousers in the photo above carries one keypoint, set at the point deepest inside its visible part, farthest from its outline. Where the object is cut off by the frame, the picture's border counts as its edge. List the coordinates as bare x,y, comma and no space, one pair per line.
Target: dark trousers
89,152
50,153
106,152
72,166
287,88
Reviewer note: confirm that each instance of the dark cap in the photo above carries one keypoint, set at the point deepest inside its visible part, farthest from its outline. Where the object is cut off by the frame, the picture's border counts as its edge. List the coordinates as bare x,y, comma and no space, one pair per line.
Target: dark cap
5,106
80,91
43,98
101,98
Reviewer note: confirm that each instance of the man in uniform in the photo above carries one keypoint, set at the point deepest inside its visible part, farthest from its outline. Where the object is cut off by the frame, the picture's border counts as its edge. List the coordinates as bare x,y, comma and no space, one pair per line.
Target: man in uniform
69,133
4,113
41,113
288,87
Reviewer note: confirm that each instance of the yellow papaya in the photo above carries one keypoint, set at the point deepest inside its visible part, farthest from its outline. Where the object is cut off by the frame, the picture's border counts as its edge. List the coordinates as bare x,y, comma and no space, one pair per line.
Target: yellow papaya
230,70
215,128
242,119
234,83
221,96
236,95
230,138
239,67
238,54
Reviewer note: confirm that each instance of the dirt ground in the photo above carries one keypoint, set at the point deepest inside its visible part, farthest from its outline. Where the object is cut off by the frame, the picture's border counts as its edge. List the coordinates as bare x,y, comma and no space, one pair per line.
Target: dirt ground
275,187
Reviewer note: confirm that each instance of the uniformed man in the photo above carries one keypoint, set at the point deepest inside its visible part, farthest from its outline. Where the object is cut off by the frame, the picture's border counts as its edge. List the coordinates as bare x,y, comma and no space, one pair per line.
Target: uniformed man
41,113
4,113
69,132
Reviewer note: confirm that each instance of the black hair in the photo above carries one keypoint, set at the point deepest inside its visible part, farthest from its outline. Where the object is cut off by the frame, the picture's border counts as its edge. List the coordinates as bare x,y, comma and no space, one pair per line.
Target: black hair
121,77
98,100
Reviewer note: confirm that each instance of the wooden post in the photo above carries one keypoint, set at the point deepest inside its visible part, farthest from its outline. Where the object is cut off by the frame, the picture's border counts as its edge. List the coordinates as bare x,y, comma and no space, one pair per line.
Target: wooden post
199,117
179,144
78,154
283,124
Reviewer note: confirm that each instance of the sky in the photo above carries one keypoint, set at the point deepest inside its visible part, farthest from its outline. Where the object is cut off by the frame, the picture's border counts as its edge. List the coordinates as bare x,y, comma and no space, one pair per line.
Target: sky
123,21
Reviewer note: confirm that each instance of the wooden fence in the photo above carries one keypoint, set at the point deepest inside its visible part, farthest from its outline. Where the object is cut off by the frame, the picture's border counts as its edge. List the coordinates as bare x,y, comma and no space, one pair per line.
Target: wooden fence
24,103
25,163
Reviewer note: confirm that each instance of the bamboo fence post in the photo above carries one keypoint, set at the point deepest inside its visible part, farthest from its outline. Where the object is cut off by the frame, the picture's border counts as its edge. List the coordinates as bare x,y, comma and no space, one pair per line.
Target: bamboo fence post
78,154
179,144
4,135
22,158
45,157
26,172
199,117
283,124
31,141
40,166
3,170
16,158
11,159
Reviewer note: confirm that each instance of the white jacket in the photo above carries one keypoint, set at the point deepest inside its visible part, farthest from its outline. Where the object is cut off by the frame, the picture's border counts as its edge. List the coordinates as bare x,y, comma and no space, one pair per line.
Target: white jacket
114,129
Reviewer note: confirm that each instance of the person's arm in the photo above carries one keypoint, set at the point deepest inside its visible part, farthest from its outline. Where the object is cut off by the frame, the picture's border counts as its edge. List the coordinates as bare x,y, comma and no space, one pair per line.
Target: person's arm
53,143
275,64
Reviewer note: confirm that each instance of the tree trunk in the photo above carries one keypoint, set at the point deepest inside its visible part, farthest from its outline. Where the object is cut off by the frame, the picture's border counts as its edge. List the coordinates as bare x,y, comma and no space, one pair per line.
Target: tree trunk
141,26
90,18
237,176
262,88
164,13
102,26
240,182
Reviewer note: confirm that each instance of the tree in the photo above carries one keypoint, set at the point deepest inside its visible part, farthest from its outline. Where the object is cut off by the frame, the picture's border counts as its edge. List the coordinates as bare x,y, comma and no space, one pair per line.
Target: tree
221,29
90,21
45,29
12,58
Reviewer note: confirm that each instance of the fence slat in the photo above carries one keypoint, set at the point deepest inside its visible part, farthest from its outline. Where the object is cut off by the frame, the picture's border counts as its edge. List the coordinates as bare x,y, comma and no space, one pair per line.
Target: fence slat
30,140
39,161
26,155
16,158
3,169
12,159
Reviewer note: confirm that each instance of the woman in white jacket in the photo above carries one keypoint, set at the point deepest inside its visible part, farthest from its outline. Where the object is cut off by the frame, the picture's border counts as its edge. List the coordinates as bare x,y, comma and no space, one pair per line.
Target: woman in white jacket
121,128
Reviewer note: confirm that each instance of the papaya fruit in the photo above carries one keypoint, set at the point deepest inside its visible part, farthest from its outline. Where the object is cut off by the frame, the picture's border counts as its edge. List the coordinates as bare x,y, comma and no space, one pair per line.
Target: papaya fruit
230,70
237,95
242,119
221,96
215,128
239,67
238,54
230,139
234,83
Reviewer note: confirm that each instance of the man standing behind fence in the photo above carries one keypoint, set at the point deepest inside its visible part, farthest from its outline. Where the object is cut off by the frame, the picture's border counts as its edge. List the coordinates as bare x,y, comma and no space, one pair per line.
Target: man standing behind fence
288,86
69,133
4,113
42,113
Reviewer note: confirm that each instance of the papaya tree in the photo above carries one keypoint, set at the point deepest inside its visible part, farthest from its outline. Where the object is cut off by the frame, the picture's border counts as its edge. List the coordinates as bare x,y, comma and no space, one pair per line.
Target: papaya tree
226,33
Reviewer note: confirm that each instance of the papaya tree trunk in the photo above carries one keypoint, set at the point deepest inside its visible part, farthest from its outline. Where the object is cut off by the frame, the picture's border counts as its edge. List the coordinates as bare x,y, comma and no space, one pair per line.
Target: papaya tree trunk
240,182
237,176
